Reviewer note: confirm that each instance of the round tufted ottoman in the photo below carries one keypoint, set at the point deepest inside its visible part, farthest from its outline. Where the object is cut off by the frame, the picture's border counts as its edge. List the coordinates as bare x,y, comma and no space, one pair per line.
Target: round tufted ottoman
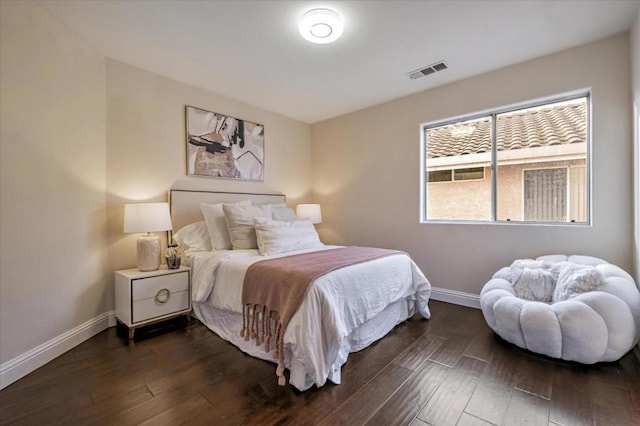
601,324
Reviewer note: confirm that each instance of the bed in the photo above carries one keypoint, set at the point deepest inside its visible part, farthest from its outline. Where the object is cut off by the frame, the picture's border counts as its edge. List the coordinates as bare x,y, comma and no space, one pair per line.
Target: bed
342,311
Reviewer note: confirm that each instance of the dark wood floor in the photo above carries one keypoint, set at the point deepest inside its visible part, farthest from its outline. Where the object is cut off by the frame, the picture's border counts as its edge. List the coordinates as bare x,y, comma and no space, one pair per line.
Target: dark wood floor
446,371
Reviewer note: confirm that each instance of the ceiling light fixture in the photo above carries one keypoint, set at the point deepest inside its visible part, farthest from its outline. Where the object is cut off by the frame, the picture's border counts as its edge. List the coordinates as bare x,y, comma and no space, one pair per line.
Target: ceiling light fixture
321,26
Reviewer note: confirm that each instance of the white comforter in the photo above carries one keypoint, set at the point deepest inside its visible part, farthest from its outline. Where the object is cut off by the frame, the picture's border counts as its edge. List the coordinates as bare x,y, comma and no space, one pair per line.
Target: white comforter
337,303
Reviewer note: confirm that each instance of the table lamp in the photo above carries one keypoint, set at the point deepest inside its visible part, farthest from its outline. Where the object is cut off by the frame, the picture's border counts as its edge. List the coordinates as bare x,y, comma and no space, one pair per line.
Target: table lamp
147,217
309,211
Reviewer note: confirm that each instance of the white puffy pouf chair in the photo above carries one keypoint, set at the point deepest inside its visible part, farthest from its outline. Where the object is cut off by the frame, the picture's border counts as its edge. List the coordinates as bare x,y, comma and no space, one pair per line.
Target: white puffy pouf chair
577,308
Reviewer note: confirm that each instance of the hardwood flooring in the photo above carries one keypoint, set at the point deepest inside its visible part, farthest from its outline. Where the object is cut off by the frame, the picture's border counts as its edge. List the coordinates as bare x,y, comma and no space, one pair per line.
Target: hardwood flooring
449,370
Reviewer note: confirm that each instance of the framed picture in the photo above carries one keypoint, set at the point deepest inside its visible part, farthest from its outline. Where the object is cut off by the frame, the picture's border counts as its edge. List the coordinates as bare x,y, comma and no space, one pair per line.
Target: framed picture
223,146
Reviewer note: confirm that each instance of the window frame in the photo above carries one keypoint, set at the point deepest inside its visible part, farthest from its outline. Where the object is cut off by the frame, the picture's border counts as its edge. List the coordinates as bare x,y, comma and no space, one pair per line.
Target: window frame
492,114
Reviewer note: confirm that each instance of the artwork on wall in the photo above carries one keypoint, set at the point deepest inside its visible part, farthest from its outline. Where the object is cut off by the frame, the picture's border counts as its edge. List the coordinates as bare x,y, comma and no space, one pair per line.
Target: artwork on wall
223,146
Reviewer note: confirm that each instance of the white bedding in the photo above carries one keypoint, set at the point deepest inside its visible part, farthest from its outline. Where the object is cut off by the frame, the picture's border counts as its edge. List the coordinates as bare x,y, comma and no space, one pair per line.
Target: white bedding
343,311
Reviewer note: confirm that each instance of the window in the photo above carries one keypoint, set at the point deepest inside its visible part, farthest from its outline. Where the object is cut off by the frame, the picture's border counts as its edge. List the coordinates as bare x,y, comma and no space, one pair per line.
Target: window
449,175
473,173
516,164
440,176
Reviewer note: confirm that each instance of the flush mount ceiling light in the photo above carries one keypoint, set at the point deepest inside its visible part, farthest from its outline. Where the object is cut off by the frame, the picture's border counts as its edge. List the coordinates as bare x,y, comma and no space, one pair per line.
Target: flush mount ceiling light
321,26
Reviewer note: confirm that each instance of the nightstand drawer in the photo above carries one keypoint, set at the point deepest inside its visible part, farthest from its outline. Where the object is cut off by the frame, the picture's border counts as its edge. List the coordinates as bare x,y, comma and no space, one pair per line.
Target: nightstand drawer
152,307
147,288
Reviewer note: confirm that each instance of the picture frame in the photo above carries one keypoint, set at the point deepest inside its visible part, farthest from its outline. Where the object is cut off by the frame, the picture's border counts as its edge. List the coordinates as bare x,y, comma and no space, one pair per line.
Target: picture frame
222,146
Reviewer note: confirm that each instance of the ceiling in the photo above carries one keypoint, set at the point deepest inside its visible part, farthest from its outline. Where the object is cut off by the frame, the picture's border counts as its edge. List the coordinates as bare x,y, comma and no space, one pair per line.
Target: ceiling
251,50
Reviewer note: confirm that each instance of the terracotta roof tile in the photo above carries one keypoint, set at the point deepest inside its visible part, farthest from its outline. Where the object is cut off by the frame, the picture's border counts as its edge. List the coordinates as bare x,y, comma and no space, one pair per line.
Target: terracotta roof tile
555,125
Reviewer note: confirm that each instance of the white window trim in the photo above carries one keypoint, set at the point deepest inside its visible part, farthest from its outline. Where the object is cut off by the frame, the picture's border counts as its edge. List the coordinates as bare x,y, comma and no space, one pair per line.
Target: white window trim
493,113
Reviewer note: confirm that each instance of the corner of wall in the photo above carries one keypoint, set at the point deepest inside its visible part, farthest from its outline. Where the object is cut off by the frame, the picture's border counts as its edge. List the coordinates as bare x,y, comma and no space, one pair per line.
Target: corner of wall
35,358
635,90
53,154
635,72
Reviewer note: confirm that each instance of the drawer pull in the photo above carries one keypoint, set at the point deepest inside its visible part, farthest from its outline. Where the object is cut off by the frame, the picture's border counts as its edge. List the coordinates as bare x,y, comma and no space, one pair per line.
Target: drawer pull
163,296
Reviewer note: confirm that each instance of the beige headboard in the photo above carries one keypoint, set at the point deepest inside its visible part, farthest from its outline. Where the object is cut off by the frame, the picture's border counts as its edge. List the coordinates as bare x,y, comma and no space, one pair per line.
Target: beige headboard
185,204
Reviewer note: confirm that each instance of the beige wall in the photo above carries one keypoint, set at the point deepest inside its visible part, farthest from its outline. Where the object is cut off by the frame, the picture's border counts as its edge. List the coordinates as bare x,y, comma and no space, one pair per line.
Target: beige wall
460,200
471,200
80,136
366,169
52,179
146,147
635,64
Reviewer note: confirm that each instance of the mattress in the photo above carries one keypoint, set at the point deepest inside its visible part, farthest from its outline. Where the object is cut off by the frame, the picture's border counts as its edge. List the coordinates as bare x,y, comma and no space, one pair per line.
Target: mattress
343,311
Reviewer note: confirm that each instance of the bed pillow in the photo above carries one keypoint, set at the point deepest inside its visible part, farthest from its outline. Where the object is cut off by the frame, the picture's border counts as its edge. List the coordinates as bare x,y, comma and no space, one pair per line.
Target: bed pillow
242,232
216,224
278,236
274,206
192,238
282,213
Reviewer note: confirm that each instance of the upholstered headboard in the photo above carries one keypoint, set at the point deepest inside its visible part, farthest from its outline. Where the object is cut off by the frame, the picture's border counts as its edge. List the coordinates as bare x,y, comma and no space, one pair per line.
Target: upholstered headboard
185,204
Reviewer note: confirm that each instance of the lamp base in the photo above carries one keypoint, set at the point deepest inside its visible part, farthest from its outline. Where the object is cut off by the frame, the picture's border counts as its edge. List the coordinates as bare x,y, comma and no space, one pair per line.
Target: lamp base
149,249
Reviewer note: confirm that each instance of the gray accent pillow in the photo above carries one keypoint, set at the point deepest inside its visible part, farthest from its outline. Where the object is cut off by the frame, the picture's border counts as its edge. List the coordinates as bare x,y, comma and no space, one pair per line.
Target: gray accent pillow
240,225
216,224
283,213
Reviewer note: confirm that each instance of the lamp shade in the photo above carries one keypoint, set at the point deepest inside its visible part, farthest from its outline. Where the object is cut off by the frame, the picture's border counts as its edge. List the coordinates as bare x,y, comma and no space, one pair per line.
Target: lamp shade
146,217
309,211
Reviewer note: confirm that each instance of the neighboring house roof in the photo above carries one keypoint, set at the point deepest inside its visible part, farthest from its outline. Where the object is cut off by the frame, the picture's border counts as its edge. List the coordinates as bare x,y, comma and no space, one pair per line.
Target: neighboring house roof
536,127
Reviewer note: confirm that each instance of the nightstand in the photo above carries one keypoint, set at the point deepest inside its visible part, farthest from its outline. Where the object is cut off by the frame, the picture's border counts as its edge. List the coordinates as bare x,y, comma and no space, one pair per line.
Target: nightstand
143,298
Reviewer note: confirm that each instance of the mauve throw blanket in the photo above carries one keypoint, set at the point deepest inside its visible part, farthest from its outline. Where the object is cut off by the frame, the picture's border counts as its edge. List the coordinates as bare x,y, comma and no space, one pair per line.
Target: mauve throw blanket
273,291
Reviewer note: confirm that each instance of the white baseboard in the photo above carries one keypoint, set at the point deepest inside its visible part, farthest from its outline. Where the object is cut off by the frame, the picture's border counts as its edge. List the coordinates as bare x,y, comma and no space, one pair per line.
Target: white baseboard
29,361
456,297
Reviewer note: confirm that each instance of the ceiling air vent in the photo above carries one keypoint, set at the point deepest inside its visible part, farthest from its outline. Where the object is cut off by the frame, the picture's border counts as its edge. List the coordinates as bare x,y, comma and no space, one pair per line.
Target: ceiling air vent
430,69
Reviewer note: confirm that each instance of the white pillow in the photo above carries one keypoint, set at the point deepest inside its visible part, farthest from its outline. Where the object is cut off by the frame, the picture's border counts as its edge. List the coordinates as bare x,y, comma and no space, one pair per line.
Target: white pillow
192,238
282,213
240,223
575,279
532,280
216,224
277,236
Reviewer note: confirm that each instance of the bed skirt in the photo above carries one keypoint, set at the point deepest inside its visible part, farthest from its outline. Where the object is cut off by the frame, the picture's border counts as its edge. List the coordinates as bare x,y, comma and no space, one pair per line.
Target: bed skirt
227,325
